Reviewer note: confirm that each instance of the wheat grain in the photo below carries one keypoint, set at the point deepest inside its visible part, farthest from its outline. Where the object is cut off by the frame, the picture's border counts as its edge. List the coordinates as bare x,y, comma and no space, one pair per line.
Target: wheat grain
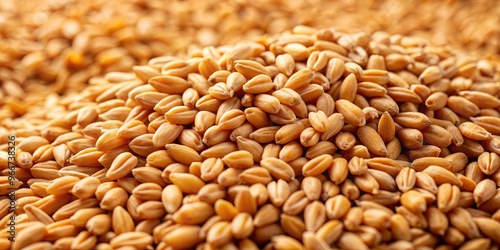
484,191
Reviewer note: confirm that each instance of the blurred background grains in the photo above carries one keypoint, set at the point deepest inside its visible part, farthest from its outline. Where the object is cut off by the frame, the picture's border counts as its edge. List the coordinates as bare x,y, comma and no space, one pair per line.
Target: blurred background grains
62,43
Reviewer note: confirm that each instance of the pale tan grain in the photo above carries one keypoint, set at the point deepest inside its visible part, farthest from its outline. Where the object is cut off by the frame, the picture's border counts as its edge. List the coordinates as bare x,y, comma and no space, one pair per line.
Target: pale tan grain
208,193
139,240
412,120
295,203
334,125
357,166
414,201
279,191
291,151
317,165
387,165
166,133
244,202
314,216
242,226
352,114
484,190
259,192
367,183
338,171
86,157
266,215
239,159
312,241
337,206
150,210
385,181
488,123
329,189
348,88
353,218
406,179
322,147
488,162
312,188
383,197
488,226
462,220
34,233
193,213
370,89
278,168
474,131
229,177
441,175
265,233
351,241
282,242
99,224
110,140
256,175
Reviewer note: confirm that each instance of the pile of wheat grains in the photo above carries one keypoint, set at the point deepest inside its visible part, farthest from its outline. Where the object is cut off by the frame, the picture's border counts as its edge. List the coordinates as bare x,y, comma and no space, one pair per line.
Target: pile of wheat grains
311,139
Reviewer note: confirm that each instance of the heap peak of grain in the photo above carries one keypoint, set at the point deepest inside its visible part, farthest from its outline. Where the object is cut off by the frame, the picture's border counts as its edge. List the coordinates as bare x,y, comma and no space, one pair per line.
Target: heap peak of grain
311,139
